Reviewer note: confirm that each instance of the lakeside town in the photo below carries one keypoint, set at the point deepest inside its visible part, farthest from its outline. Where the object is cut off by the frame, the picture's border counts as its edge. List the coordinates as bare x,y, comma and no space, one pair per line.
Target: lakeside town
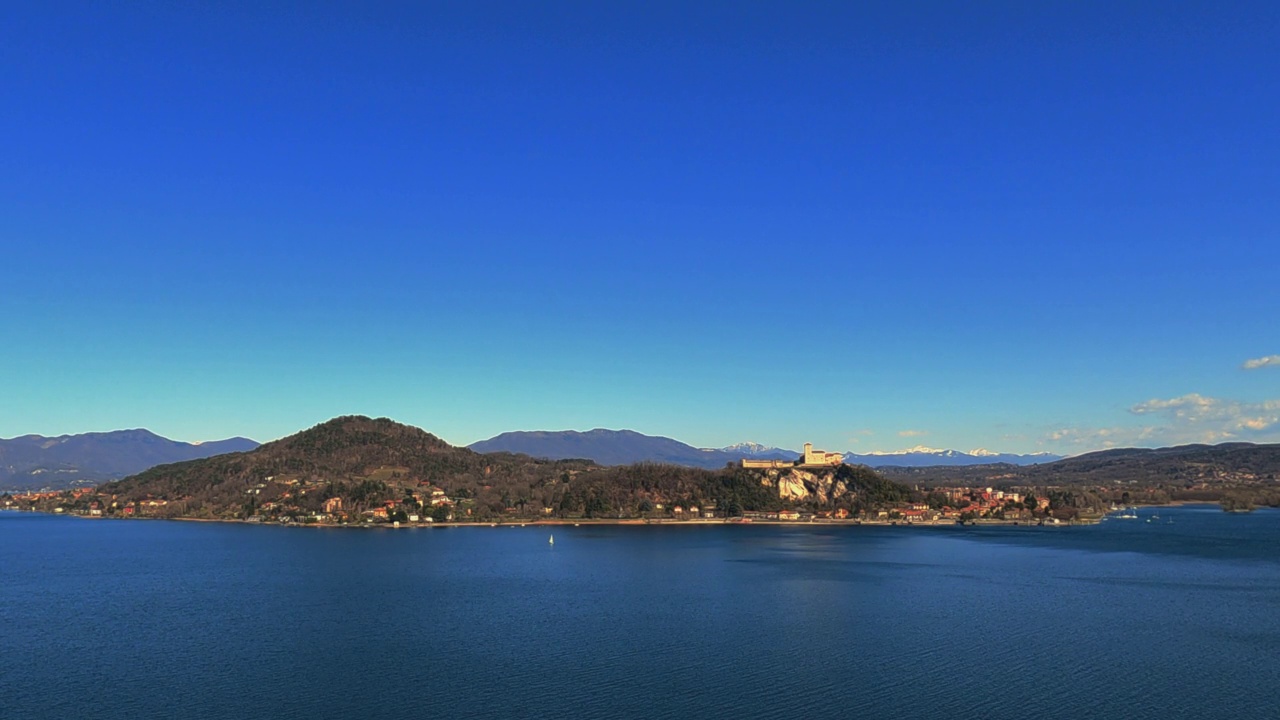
432,506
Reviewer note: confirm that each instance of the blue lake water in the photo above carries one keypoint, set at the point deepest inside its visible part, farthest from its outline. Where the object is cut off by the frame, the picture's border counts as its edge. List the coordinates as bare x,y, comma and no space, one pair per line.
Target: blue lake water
1127,619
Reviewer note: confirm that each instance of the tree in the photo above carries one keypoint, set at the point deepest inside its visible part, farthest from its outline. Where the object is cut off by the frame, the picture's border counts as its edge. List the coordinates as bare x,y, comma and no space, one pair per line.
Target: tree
571,502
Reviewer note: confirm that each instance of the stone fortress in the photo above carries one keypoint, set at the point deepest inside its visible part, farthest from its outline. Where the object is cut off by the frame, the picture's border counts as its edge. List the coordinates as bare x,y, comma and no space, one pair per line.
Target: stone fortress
810,458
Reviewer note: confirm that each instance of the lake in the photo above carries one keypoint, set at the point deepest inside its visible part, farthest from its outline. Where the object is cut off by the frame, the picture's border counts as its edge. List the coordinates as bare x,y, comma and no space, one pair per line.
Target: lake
1174,618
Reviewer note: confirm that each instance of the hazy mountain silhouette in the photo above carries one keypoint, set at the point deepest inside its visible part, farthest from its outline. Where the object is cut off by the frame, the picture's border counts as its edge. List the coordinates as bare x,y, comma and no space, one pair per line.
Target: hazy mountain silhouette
606,447
35,461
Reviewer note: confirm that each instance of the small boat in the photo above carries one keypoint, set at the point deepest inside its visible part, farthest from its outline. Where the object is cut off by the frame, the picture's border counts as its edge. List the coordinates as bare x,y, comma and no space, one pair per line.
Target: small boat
551,540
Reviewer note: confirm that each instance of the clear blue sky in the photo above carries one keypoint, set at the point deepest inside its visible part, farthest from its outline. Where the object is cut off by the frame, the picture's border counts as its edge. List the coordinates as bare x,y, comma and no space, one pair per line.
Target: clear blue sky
1021,226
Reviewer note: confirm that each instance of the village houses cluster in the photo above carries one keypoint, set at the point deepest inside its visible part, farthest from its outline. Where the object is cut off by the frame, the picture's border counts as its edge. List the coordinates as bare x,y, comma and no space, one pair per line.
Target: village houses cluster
430,504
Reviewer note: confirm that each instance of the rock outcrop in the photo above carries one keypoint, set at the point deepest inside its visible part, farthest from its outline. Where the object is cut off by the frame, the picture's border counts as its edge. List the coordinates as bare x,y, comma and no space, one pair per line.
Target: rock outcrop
796,485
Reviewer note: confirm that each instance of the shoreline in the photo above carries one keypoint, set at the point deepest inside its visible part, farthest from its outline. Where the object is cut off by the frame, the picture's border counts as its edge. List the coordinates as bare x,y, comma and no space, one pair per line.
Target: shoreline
612,522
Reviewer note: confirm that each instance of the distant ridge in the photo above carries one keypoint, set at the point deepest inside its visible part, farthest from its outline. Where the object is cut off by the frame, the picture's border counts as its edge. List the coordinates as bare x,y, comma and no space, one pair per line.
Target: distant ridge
1227,463
1180,461
623,447
35,461
606,447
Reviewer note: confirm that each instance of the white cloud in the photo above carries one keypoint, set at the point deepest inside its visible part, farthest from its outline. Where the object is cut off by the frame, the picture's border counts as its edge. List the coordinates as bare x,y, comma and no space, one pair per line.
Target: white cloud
1191,418
1268,361
1227,418
859,434
1095,438
1189,407
912,433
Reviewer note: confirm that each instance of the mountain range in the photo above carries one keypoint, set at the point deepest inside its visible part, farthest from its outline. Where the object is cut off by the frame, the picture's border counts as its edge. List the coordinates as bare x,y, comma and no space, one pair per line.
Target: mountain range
921,456
368,462
608,447
35,461
624,447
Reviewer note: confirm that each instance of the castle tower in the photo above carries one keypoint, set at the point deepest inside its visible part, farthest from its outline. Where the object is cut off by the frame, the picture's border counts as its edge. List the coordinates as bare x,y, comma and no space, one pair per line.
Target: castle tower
820,457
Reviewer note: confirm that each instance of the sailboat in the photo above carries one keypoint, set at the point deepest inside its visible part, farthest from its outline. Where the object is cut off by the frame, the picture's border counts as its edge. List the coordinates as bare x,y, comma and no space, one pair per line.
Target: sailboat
551,540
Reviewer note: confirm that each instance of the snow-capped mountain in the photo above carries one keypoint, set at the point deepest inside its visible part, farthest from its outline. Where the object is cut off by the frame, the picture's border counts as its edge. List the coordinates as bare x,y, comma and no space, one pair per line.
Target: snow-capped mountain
921,456
917,450
918,456
756,450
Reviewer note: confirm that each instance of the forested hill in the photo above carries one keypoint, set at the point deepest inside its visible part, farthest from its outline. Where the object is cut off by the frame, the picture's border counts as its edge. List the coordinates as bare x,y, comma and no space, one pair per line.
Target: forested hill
1182,461
368,464
346,450
1230,463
